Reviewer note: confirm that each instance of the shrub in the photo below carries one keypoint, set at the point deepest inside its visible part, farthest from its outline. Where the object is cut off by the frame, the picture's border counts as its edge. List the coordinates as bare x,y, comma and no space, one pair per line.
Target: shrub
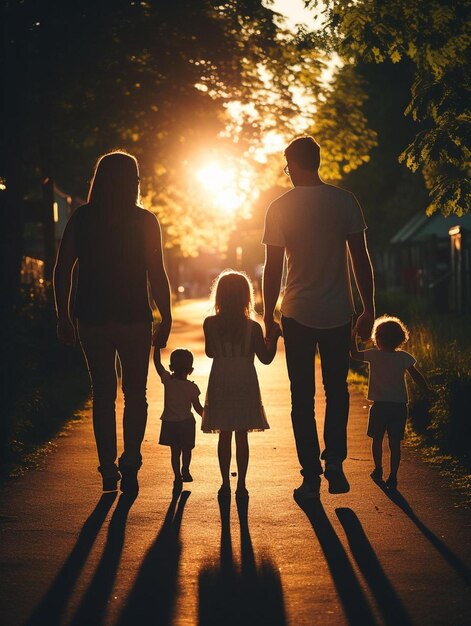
446,363
45,382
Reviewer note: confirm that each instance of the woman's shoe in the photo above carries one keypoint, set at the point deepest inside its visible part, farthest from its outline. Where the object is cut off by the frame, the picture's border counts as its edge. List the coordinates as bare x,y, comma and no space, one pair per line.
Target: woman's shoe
110,476
129,483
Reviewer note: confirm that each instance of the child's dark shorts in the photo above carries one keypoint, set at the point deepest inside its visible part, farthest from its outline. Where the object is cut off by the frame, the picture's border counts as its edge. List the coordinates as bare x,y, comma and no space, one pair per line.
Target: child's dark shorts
387,417
180,434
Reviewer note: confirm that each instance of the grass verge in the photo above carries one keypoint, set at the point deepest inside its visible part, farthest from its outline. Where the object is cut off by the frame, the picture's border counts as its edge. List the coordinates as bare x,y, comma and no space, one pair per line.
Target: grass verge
45,385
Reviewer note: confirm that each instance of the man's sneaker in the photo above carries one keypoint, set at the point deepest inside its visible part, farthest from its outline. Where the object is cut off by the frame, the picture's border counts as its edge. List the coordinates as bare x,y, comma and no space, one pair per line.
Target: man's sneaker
110,483
377,474
309,490
391,482
337,480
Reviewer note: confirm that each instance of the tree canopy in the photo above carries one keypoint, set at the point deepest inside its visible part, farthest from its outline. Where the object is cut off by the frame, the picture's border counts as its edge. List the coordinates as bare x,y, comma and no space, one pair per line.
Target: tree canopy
155,78
435,36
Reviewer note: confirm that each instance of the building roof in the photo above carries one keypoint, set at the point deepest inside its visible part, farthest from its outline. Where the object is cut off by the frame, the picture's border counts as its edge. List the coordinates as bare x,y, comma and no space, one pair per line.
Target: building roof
421,227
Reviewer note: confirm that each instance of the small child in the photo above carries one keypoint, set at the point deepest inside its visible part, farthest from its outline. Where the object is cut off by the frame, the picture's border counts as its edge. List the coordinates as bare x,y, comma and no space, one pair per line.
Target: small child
178,422
387,389
233,401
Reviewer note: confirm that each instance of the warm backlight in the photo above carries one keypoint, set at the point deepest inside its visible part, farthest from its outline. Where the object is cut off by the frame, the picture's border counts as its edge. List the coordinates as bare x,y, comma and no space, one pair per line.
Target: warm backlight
222,184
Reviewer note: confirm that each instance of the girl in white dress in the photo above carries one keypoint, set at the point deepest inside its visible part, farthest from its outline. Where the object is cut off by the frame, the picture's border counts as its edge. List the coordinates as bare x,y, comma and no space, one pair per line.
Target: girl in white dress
233,401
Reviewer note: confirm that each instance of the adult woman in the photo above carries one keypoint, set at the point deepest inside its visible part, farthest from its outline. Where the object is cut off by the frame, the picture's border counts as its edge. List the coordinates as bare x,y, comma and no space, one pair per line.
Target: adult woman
117,246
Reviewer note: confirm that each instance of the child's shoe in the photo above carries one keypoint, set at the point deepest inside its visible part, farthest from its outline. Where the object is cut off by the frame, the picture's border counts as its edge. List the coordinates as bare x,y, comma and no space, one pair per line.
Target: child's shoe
224,491
336,478
391,482
377,474
177,485
186,476
308,490
242,492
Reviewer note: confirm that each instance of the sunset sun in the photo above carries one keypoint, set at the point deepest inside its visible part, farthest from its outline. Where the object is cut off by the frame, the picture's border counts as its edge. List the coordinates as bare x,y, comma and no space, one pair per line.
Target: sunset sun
224,185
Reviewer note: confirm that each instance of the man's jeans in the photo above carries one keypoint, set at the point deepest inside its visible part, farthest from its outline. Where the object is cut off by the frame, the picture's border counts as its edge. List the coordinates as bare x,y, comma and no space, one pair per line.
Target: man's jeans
100,344
334,345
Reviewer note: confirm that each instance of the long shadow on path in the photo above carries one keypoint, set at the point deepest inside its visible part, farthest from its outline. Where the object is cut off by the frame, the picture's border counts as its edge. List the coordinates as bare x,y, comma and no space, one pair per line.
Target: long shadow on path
454,561
152,598
91,610
51,608
251,595
354,602
388,601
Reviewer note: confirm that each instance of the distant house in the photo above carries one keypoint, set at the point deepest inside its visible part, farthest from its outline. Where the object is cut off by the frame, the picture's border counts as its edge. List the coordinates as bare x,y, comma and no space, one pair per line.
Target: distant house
34,232
424,260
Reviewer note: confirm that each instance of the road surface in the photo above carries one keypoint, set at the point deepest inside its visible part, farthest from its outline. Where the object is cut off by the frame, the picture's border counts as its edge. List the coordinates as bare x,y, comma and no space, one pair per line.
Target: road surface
71,556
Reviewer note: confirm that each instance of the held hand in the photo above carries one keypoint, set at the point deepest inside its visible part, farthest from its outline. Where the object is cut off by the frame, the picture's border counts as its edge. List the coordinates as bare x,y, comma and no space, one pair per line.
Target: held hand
161,333
66,331
269,324
364,325
274,333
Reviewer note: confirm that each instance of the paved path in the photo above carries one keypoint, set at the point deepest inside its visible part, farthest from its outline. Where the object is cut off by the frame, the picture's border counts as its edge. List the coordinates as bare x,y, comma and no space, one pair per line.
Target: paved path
69,556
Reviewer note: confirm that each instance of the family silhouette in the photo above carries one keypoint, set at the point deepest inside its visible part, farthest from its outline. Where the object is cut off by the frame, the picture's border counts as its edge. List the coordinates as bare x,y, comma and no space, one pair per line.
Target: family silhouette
112,249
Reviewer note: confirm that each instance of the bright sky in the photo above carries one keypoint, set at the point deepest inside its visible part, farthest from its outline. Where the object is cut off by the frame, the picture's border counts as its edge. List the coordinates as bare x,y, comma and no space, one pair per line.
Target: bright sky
229,185
295,11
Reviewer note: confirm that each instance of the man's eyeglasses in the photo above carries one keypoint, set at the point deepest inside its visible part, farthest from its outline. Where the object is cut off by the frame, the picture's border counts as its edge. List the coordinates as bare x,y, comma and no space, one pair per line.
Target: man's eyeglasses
286,170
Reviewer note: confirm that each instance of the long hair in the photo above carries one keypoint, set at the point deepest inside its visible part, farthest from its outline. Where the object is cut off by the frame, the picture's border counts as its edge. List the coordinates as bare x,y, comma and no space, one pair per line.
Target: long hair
233,302
115,183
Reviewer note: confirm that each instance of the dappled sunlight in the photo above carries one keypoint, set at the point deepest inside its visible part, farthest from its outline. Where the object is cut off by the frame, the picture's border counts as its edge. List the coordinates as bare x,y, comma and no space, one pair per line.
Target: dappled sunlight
272,142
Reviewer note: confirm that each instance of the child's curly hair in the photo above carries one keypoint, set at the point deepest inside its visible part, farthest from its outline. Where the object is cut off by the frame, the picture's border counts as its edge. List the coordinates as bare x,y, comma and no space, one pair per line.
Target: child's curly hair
181,361
390,332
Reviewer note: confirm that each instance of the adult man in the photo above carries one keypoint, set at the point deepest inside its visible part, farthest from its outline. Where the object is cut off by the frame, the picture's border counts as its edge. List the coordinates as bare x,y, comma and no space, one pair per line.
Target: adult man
317,226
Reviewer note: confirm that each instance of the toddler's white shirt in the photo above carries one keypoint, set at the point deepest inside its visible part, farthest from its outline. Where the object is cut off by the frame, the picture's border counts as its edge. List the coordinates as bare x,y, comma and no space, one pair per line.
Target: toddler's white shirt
387,371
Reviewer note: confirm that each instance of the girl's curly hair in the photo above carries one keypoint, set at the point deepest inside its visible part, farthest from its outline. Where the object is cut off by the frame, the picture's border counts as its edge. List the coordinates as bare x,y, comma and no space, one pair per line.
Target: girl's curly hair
390,332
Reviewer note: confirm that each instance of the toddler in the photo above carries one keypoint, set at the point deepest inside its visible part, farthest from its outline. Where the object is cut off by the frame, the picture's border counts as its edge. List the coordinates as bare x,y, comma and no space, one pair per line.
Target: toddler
386,388
178,423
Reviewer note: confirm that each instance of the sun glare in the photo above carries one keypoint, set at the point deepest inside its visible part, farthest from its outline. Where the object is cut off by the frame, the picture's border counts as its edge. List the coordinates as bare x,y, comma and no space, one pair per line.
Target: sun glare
225,186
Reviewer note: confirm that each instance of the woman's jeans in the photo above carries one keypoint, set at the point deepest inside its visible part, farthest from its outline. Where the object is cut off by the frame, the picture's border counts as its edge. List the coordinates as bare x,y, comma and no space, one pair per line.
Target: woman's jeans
100,345
301,343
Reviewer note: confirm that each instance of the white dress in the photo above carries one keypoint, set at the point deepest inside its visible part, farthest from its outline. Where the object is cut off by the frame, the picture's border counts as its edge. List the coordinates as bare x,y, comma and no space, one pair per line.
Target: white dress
233,400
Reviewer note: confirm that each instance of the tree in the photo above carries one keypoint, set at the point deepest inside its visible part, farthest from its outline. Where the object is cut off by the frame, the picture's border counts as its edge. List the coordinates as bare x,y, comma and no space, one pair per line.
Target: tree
341,126
434,35
155,78
389,192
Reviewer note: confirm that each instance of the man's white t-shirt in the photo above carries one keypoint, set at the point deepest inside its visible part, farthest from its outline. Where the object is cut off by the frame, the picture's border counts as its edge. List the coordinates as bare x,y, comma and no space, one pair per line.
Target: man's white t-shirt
312,224
387,370
178,398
